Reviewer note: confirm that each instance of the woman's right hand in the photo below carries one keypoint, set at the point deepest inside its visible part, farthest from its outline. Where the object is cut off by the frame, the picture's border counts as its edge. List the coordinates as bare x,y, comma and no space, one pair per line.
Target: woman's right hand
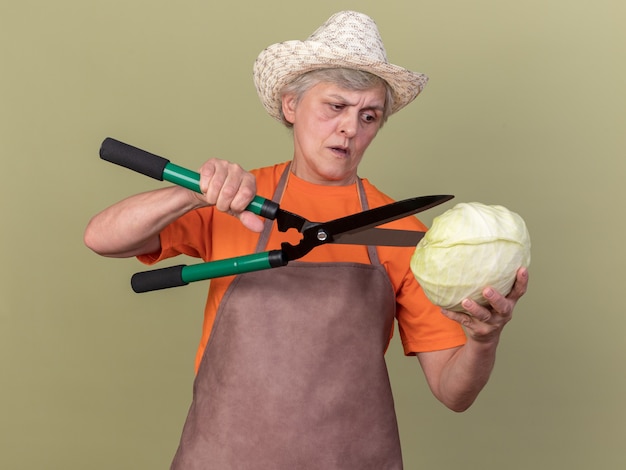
229,188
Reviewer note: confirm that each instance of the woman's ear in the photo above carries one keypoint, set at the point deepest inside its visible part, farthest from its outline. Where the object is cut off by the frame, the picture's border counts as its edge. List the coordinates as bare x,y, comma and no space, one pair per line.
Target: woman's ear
289,103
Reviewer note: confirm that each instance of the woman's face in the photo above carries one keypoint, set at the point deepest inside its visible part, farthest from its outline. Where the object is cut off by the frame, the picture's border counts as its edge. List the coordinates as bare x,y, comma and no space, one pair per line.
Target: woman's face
332,128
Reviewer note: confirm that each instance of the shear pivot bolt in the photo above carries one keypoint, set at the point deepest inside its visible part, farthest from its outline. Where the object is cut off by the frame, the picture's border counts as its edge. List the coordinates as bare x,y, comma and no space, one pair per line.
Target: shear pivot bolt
322,235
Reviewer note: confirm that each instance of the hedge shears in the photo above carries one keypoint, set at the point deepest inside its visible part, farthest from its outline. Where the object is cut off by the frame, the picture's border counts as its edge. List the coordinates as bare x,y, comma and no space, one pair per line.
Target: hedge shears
360,228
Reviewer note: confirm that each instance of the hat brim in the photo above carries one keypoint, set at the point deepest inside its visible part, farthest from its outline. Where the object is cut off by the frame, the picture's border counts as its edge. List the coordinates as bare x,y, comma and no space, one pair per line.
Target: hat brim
281,63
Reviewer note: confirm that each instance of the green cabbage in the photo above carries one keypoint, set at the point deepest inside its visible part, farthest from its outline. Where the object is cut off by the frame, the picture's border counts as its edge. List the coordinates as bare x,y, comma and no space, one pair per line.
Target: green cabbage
468,248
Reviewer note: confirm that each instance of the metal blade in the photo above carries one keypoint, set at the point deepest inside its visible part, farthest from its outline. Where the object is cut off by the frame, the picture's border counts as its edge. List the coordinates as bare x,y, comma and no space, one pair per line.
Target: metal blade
381,215
380,237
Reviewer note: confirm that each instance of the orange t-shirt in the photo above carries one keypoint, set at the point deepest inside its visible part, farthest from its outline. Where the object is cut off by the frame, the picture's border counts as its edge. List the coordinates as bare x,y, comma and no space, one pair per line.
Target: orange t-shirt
212,235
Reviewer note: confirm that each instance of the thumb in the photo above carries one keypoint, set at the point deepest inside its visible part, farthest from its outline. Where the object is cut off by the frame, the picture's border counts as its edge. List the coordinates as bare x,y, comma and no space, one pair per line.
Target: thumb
251,221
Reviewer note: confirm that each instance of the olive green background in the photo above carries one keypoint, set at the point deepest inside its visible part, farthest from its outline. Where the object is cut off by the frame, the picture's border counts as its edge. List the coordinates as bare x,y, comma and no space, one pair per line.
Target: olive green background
525,108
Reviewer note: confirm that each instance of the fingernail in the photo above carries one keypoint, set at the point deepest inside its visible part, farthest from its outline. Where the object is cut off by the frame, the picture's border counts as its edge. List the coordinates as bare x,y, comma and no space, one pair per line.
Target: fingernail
467,303
488,293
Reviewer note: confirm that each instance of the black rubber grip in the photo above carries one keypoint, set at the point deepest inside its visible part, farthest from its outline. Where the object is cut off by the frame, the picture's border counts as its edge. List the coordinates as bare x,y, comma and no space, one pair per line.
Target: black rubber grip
269,209
163,278
133,158
276,258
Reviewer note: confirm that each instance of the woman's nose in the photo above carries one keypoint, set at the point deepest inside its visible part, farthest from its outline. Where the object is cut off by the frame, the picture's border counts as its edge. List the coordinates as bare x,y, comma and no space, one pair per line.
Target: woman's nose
348,126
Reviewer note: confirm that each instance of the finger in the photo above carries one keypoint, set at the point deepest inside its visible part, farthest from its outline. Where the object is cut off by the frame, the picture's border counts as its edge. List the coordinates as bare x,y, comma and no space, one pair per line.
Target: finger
475,310
251,221
246,191
500,305
212,177
227,193
206,173
465,319
521,284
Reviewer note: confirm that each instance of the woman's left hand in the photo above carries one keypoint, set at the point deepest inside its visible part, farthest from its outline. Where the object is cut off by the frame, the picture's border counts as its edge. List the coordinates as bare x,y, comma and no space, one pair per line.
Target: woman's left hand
484,324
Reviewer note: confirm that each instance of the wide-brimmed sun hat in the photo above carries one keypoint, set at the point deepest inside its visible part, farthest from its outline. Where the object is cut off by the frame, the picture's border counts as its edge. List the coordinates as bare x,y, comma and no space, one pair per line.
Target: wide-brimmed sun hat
348,39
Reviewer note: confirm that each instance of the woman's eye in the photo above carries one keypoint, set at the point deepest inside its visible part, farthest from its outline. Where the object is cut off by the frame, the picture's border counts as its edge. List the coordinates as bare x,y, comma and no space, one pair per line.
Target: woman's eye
369,117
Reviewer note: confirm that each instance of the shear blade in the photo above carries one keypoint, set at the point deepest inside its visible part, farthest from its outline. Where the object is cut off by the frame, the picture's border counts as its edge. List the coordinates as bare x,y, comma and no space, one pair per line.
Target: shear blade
380,237
381,215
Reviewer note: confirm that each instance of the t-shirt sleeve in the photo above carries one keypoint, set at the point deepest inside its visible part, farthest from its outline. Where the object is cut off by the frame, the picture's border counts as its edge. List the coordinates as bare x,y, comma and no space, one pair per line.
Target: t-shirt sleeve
421,324
188,235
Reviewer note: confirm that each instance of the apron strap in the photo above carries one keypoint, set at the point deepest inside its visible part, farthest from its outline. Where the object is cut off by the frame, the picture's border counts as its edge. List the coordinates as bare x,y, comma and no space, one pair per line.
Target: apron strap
267,226
371,249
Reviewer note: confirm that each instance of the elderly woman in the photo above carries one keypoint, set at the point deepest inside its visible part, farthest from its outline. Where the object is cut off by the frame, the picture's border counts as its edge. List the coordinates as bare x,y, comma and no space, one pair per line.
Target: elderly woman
290,368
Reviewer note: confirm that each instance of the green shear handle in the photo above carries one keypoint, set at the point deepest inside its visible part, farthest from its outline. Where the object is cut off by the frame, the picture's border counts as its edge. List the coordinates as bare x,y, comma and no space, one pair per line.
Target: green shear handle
161,169
182,275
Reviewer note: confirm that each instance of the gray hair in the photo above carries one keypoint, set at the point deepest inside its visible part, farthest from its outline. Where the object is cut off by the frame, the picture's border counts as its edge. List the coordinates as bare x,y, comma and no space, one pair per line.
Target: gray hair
351,79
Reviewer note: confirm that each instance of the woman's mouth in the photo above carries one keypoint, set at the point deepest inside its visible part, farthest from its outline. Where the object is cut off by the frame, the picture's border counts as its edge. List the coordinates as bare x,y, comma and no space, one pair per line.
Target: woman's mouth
340,151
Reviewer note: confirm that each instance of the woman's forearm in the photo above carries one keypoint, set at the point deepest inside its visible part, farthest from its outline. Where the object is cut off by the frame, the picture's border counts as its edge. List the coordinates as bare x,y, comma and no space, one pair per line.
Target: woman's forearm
457,376
132,226
466,374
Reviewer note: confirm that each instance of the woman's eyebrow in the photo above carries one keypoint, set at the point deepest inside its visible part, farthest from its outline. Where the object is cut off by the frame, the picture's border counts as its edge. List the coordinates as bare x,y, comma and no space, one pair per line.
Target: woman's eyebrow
344,100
